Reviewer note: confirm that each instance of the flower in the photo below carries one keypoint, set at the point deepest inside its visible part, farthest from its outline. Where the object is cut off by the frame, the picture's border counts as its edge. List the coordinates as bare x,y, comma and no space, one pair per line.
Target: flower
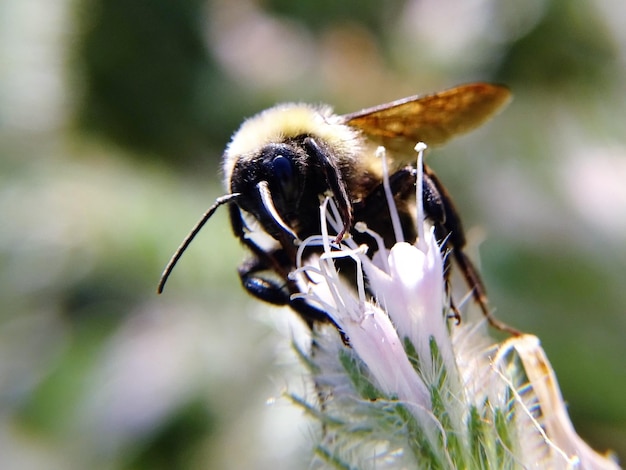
400,385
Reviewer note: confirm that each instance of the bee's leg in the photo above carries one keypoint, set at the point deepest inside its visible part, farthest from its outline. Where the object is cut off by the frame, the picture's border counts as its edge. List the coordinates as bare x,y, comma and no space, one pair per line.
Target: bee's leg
267,290
455,237
277,290
456,314
435,211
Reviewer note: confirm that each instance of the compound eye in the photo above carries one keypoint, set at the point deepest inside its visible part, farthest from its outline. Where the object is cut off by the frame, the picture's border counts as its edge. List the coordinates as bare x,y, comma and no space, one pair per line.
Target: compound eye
284,172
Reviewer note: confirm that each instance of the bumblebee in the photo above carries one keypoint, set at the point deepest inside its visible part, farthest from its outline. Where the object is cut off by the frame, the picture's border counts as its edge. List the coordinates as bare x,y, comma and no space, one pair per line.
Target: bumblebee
281,162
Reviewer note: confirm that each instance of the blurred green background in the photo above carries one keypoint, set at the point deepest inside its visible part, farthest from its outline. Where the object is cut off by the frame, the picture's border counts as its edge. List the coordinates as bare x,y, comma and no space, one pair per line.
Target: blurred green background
113,117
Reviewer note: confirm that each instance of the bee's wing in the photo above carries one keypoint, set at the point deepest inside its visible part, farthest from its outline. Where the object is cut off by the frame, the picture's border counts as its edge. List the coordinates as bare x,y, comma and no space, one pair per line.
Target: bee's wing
432,119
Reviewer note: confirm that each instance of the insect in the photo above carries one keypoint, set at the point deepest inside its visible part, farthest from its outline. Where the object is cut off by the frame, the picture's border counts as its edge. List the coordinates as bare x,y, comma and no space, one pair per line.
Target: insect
280,163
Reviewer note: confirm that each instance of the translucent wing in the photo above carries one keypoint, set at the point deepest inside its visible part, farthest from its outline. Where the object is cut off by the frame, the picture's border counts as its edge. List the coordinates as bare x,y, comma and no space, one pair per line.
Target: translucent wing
432,119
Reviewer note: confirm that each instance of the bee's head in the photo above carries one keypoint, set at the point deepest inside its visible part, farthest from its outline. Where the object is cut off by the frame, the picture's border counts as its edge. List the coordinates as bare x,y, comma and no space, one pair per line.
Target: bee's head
283,160
272,182
282,184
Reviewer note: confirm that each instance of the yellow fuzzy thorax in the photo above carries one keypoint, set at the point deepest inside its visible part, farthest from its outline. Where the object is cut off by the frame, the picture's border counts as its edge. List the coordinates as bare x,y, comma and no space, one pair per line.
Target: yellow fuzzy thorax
289,120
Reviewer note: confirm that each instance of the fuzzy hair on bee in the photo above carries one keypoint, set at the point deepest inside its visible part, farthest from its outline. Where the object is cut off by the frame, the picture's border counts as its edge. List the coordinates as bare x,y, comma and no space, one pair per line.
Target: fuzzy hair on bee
281,162
287,121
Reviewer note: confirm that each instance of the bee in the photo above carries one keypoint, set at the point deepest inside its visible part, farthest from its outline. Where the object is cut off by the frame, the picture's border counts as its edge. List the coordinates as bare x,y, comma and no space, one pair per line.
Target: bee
281,162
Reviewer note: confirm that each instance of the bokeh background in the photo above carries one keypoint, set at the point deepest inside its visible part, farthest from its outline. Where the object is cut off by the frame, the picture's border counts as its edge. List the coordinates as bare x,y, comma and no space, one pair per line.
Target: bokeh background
113,117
